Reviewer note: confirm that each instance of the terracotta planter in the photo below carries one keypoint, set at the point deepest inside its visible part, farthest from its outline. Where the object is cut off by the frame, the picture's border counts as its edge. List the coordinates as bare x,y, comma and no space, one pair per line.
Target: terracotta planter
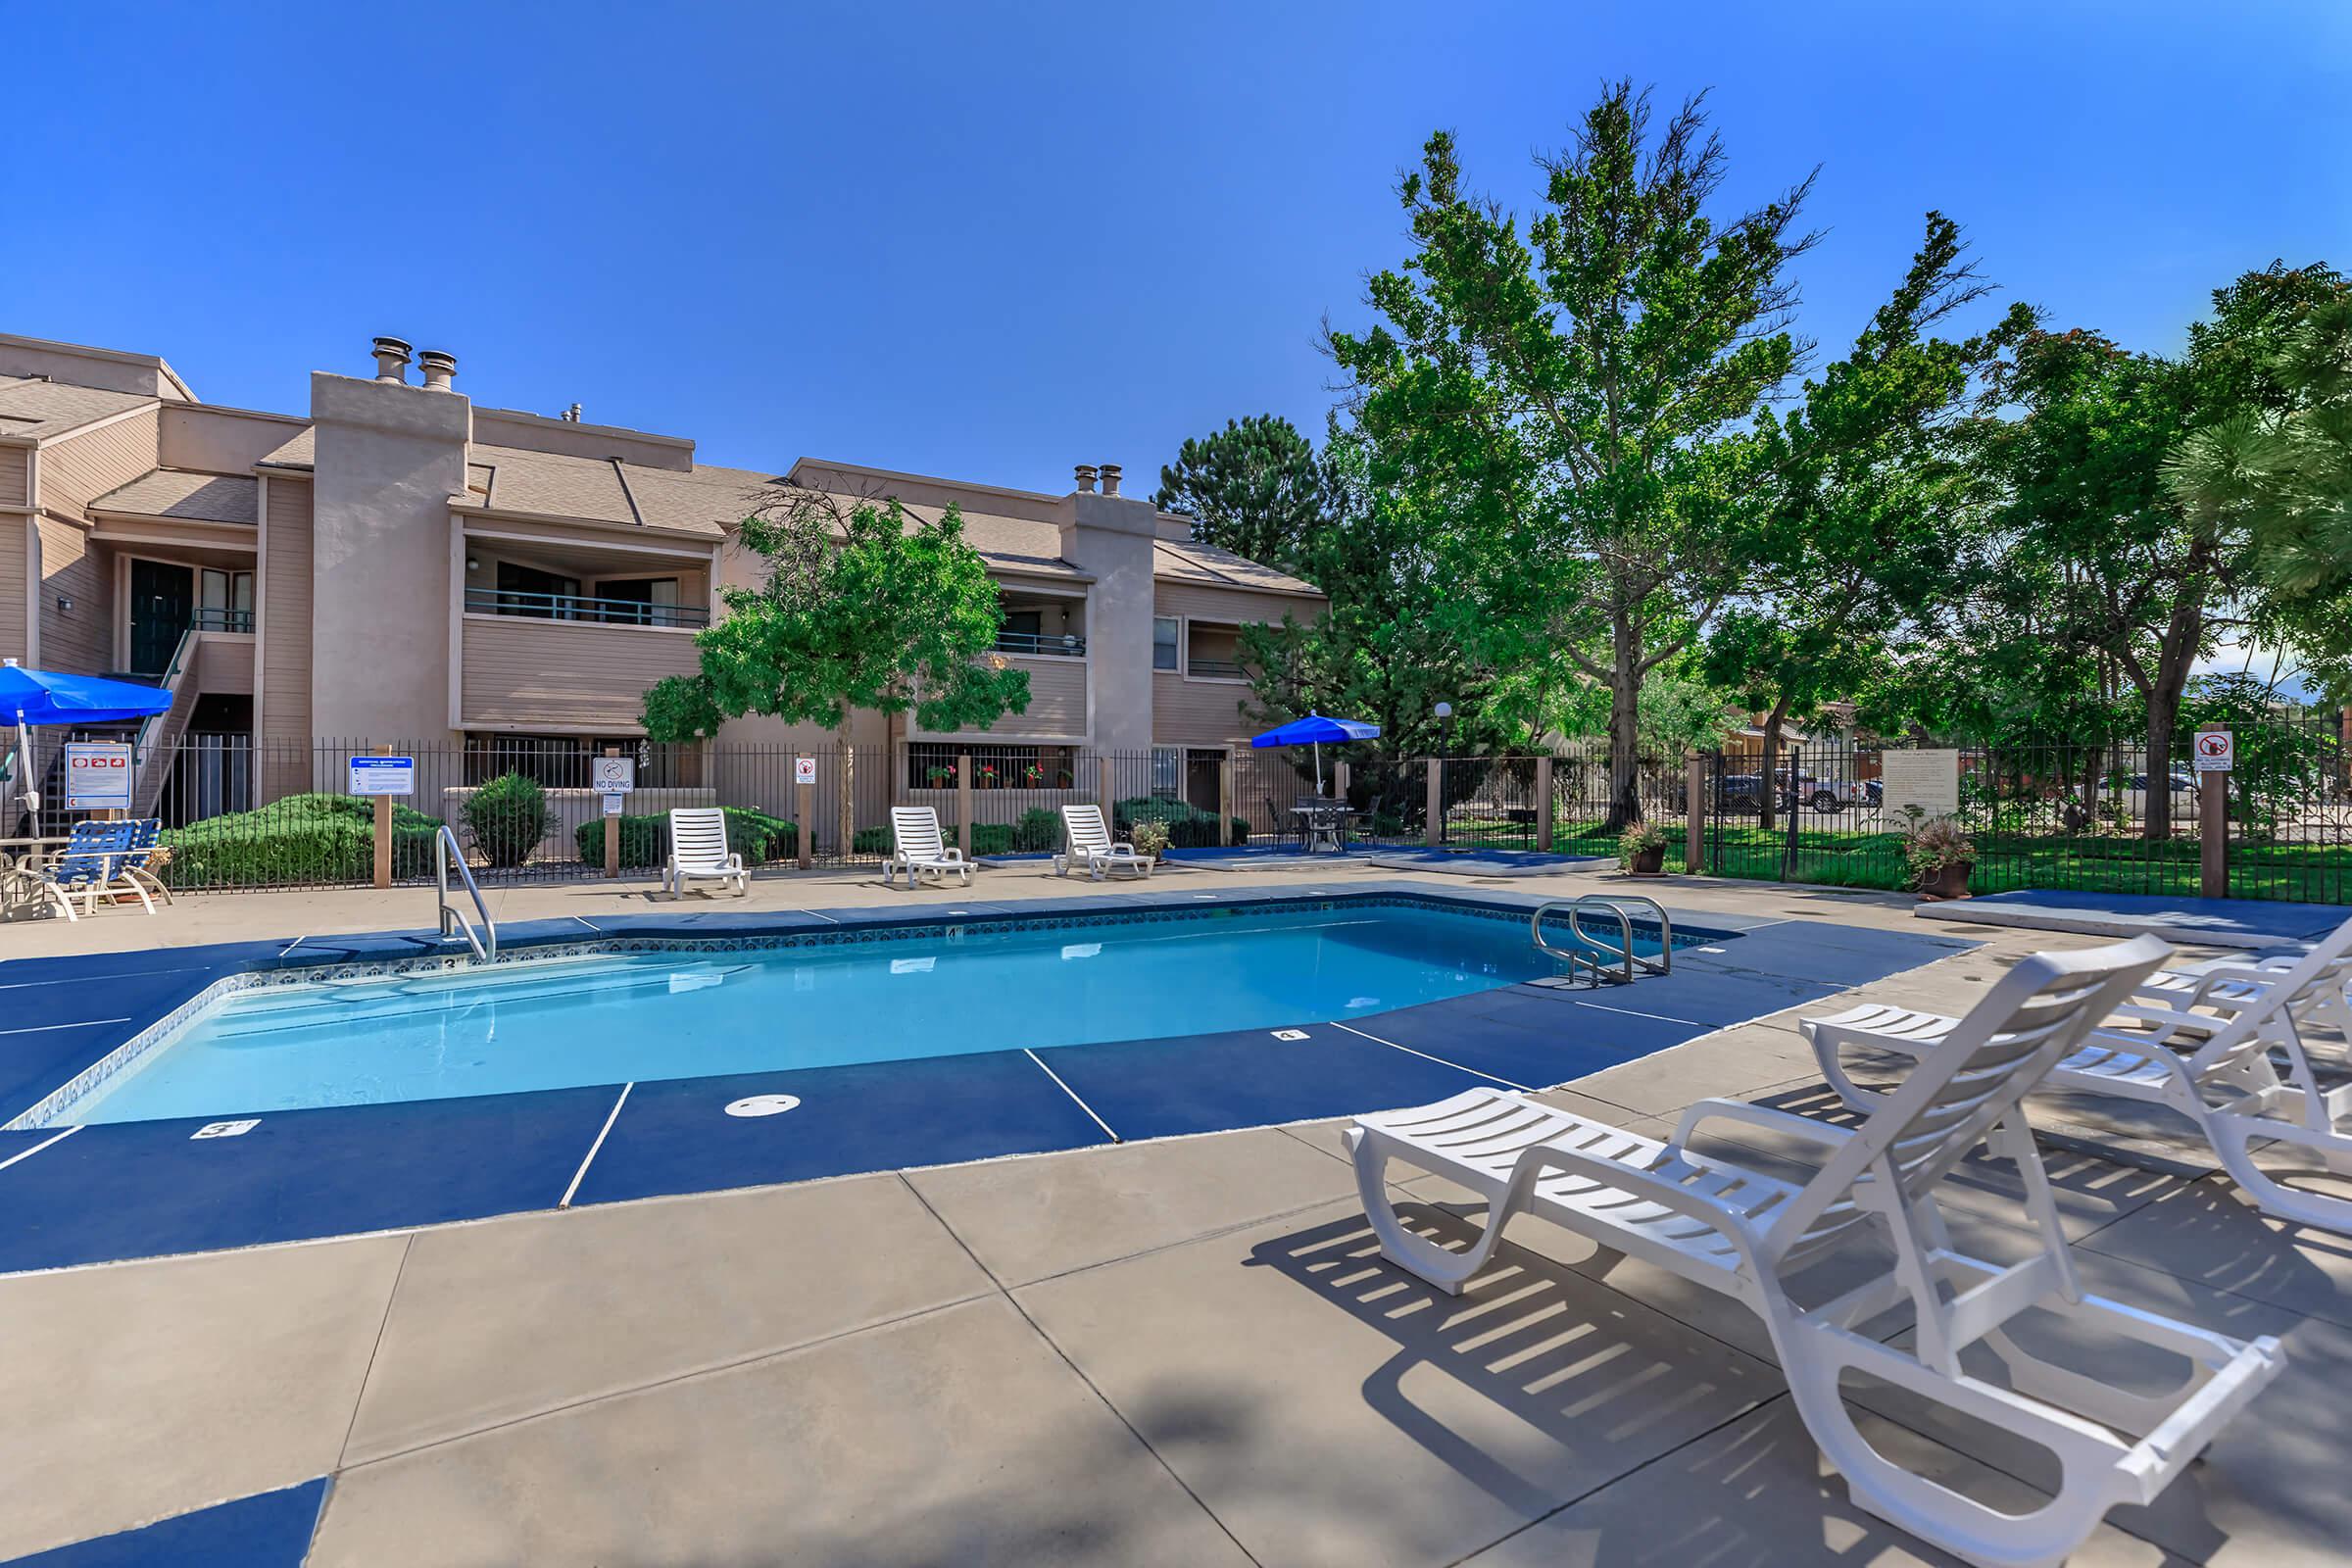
1649,862
1947,881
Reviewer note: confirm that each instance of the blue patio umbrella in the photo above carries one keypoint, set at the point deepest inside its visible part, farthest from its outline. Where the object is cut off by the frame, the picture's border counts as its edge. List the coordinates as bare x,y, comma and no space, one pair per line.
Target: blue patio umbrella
47,697
1313,731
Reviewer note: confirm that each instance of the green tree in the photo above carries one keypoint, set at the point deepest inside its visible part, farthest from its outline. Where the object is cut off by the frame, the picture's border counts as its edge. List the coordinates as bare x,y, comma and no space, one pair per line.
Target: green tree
1256,488
861,605
2101,562
1576,396
1861,534
2280,468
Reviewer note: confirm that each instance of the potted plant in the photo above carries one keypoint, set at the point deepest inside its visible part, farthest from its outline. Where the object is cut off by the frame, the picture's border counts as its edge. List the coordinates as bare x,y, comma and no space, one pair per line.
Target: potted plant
1150,837
1642,850
1939,857
942,775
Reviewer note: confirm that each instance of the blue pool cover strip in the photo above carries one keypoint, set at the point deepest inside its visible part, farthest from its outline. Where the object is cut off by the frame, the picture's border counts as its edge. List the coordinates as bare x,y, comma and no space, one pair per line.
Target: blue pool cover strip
144,1189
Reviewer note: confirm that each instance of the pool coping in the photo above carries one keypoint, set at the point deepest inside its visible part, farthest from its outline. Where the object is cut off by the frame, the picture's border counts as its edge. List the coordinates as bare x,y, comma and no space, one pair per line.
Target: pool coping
87,1202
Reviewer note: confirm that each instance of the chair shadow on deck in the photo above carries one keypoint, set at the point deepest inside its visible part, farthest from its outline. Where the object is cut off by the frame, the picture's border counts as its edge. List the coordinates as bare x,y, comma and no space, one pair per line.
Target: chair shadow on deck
1681,1449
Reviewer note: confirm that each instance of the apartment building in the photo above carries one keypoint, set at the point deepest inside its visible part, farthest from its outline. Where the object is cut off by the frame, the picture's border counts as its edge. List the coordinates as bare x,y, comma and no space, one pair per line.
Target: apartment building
402,566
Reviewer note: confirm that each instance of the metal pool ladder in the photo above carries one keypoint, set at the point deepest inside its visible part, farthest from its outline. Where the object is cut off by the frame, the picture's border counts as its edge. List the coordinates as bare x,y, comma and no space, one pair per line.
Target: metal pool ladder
446,854
1612,904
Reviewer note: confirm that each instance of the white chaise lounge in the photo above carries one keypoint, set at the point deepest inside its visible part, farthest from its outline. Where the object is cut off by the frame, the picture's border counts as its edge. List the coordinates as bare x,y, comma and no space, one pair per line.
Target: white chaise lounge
918,849
1721,1225
2228,985
1091,846
2242,1073
698,849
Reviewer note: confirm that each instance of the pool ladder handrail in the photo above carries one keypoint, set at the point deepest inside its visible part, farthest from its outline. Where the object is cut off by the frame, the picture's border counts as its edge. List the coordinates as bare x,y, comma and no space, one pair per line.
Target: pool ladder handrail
1613,903
453,919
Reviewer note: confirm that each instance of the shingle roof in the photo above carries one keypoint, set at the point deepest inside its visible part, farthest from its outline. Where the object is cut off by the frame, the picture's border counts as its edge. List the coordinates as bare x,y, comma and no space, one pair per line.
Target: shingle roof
297,453
43,409
1191,560
186,495
602,490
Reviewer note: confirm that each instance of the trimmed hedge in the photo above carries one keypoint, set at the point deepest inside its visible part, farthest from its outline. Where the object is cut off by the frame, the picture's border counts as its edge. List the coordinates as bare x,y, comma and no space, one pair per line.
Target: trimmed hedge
755,835
1189,826
509,816
303,838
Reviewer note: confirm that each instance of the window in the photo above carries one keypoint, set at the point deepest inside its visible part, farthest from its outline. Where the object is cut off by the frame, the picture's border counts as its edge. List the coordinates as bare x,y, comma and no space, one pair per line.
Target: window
1164,632
224,601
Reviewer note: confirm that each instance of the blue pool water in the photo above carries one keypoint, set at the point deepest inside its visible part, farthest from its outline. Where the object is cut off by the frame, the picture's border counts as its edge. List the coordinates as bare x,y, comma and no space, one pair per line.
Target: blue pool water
561,1023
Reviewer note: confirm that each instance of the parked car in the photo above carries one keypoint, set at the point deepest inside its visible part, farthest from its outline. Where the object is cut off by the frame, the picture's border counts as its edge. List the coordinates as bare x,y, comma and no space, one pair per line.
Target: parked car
1744,793
2130,792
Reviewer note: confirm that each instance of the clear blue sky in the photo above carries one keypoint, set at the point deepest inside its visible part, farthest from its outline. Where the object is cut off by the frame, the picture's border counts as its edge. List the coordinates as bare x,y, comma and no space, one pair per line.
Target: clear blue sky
992,241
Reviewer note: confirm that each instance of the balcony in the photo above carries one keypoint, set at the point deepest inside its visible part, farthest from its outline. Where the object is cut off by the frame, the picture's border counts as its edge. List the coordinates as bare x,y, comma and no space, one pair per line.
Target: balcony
563,674
1214,669
206,618
1063,645
581,608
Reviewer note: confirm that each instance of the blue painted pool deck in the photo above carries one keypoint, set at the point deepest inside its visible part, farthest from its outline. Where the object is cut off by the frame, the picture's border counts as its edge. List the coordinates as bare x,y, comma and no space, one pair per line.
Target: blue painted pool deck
108,1192
270,1530
2215,922
1479,862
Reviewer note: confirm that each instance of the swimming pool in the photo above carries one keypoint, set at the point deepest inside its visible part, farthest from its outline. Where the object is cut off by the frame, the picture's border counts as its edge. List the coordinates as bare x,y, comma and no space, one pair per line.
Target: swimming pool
688,1012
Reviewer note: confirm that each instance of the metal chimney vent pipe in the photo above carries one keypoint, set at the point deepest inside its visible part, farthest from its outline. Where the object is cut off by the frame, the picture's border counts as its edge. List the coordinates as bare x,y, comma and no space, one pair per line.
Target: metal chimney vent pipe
1110,478
438,368
391,361
1086,478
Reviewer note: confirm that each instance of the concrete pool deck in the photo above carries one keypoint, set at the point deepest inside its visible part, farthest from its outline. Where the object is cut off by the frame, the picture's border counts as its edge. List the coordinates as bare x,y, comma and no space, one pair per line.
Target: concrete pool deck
1183,1351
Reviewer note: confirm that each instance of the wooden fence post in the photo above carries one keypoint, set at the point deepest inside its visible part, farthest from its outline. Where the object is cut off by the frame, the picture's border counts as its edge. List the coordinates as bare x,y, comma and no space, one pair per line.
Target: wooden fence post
612,830
1432,830
963,803
2213,822
383,832
1694,813
1543,804
1102,784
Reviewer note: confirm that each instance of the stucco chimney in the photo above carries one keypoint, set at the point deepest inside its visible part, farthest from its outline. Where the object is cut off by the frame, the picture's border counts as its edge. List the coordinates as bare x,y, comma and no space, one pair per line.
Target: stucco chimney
391,360
438,368
1086,478
1110,478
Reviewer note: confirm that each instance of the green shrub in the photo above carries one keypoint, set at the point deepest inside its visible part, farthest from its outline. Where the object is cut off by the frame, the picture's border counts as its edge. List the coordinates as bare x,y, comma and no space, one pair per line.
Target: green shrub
1039,828
644,839
1189,826
303,838
509,816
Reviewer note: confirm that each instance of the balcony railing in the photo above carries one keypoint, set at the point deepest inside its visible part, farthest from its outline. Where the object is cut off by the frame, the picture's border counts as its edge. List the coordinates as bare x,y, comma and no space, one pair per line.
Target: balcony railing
208,618
574,607
1067,644
1213,668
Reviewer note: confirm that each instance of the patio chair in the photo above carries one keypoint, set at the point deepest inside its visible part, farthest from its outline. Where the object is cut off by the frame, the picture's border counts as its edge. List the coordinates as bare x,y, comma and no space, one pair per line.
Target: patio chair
138,868
1091,843
2244,1079
2228,985
698,848
91,865
1722,1225
918,848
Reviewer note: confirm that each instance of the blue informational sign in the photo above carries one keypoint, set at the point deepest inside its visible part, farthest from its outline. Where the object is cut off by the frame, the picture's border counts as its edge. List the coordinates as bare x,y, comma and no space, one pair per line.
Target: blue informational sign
383,775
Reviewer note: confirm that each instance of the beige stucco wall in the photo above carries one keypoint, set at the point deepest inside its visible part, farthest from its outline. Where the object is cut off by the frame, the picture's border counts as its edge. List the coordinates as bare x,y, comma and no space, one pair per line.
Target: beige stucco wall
388,460
1109,537
563,678
196,435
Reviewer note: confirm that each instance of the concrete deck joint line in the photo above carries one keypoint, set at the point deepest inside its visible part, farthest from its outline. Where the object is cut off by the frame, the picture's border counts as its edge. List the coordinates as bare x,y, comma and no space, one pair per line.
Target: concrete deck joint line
1425,1056
376,1348
1072,1093
601,1133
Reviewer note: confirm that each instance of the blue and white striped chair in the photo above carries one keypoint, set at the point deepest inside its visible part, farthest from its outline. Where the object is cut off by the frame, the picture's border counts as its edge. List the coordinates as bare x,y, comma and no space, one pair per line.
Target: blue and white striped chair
97,864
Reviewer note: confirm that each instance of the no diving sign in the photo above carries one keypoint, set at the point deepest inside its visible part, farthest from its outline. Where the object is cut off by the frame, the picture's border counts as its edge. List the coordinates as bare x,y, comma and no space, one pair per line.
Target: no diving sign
2216,751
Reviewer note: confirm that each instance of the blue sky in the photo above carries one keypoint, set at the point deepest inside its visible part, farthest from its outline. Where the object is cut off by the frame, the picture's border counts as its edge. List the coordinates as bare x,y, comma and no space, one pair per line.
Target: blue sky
993,241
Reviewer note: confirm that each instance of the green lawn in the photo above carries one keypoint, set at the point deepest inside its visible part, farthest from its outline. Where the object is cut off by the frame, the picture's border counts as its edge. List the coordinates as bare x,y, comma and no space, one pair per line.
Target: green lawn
2305,873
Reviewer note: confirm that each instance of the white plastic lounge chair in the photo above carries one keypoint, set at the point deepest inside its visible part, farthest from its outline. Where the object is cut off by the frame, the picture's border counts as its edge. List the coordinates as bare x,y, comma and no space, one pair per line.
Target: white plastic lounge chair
919,851
2243,1081
1718,1224
698,848
1091,846
2228,986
